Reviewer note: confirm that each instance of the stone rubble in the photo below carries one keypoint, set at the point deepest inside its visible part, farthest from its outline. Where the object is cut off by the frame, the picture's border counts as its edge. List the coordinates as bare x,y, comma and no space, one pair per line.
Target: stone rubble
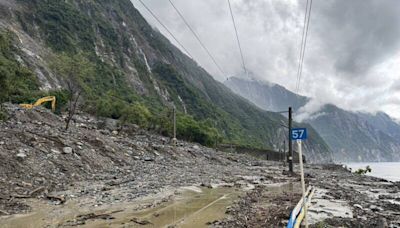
101,164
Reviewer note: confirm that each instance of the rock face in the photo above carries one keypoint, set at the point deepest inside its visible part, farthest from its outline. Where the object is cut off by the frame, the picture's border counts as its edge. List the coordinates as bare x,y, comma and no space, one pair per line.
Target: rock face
353,136
266,95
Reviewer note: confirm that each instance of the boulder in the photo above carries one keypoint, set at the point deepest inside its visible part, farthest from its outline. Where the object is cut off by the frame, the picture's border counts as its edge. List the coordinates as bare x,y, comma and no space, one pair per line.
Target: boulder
67,150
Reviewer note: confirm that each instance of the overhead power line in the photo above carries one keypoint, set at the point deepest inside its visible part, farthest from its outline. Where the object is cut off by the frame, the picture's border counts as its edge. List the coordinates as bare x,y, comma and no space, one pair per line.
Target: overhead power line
237,37
197,37
165,27
301,45
307,16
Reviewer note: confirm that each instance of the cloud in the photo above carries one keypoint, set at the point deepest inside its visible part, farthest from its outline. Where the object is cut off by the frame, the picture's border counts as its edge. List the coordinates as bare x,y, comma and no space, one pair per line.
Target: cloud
309,111
352,56
357,34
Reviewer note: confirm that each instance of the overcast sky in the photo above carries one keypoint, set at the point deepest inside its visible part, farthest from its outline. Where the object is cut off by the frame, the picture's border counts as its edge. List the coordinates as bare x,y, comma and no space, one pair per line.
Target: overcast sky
352,57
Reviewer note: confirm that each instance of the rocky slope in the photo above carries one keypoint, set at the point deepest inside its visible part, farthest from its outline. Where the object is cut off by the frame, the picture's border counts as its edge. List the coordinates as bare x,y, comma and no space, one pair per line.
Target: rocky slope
353,136
134,63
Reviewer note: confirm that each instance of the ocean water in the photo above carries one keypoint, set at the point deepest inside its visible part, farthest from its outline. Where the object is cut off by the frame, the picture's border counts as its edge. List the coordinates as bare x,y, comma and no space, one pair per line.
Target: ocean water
386,170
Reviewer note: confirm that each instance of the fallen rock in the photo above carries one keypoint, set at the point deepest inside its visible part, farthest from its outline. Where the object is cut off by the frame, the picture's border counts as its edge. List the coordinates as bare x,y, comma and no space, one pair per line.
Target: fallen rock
54,151
148,159
21,154
67,150
57,199
141,222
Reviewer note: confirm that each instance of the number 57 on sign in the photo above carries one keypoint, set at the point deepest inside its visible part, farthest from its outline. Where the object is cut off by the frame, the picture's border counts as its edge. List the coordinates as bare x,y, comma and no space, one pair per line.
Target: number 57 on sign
299,134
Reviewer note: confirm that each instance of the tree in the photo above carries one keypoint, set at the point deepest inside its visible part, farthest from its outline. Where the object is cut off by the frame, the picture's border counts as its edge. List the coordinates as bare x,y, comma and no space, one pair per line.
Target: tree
75,70
74,94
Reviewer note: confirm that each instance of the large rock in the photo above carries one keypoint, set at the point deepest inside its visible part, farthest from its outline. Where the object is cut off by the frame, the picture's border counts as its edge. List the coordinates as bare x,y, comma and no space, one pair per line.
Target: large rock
67,150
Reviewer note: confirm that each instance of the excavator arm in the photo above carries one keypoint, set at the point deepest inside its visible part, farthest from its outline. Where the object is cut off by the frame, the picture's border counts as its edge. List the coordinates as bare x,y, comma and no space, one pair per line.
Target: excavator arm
41,101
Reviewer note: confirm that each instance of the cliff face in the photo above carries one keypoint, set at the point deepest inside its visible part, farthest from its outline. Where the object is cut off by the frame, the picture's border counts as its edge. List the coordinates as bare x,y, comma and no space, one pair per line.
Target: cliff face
353,136
265,95
133,62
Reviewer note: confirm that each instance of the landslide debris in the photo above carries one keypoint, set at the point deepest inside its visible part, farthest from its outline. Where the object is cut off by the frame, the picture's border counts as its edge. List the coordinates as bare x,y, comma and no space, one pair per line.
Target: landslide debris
39,159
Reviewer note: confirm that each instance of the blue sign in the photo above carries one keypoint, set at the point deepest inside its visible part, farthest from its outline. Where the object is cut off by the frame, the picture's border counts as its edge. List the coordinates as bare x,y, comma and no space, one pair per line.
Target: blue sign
299,133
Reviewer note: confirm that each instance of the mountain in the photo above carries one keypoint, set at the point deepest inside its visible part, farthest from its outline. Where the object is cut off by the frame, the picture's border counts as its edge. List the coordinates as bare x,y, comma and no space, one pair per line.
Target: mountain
383,122
353,136
127,70
266,95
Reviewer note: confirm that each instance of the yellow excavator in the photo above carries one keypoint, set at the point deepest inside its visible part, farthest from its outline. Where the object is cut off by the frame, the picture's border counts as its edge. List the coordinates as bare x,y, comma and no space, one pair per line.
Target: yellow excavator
41,101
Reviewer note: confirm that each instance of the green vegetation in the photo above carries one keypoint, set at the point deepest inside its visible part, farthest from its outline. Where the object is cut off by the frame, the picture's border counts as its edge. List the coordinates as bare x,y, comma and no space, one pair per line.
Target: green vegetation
65,27
363,171
137,114
197,131
17,83
3,114
110,97
96,45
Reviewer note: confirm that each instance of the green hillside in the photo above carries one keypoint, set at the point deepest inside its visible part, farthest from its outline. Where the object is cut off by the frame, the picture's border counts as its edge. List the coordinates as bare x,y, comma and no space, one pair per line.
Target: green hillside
129,71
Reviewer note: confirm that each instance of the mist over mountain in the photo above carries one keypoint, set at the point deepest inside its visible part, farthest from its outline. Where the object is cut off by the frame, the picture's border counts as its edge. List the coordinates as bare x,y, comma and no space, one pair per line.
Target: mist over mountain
353,136
264,94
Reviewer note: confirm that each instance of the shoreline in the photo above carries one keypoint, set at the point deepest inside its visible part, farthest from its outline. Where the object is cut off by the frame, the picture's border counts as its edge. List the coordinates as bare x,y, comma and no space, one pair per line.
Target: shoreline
389,172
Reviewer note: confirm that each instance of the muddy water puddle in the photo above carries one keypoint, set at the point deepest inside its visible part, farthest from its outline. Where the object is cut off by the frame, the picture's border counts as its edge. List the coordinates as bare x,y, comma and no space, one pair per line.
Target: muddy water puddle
191,207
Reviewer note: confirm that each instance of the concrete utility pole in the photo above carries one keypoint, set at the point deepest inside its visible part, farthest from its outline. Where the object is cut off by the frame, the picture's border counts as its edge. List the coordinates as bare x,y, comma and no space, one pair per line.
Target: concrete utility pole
290,142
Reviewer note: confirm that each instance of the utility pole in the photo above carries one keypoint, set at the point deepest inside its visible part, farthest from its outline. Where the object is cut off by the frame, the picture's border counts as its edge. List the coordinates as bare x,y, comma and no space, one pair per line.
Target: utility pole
284,153
216,136
174,140
290,142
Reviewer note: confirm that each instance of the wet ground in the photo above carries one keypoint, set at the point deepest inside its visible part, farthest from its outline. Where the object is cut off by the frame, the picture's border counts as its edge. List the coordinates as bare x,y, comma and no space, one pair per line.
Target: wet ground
250,201
188,207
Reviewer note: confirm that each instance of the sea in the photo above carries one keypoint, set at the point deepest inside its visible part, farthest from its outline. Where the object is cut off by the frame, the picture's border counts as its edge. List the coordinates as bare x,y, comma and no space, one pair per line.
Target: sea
386,170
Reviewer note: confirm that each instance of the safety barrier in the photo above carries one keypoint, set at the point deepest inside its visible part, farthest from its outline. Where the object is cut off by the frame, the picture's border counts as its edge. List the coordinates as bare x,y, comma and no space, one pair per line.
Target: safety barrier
297,214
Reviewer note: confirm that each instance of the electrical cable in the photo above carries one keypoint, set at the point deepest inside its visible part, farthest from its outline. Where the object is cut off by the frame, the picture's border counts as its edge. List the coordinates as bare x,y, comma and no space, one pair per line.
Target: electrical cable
165,27
197,37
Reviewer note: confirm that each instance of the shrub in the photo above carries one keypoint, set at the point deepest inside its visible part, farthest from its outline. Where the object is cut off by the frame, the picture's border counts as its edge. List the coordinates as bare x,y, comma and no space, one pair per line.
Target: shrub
195,131
136,114
364,171
162,122
106,106
3,114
